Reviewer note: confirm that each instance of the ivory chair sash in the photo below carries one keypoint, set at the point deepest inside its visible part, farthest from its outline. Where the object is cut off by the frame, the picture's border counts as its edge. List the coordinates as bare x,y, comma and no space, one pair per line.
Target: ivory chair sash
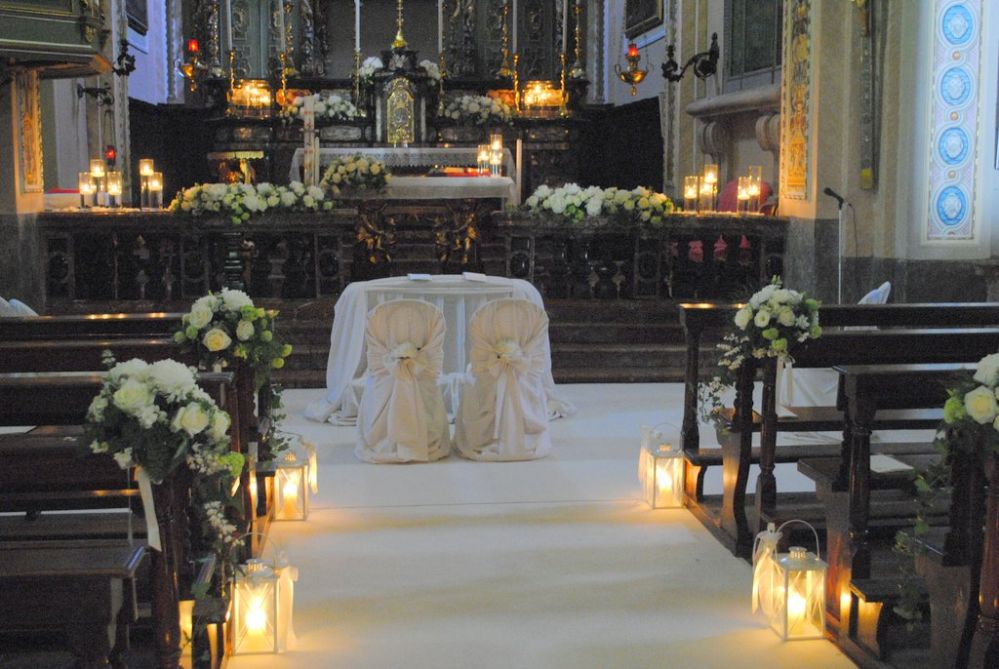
503,413
401,416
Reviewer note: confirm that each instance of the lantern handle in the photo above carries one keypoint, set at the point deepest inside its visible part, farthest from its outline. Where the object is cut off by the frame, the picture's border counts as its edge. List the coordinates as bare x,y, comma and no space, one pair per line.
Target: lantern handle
809,526
673,447
277,550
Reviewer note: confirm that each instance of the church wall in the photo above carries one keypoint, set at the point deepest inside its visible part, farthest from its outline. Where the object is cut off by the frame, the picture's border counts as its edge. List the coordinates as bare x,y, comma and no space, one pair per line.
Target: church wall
149,82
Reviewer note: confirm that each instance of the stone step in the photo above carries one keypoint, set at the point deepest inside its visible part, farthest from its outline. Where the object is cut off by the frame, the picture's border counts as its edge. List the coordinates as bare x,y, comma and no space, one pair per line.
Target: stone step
616,356
633,312
619,375
300,378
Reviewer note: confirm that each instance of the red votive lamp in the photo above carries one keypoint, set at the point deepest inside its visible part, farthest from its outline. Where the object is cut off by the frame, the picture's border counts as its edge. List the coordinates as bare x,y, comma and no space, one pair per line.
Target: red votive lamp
632,50
193,47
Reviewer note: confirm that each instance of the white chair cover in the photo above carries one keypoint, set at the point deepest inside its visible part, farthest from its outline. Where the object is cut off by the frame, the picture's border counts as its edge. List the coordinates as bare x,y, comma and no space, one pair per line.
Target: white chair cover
503,413
21,309
401,416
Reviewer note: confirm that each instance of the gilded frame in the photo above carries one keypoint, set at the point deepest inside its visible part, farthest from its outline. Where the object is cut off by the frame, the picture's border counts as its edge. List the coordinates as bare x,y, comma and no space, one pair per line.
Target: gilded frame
641,16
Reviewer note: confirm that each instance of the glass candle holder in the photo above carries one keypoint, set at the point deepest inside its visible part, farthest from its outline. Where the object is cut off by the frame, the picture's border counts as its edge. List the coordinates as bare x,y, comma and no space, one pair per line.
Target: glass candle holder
155,188
496,141
496,163
706,197
711,174
755,187
87,190
97,169
114,184
691,185
146,168
483,158
742,194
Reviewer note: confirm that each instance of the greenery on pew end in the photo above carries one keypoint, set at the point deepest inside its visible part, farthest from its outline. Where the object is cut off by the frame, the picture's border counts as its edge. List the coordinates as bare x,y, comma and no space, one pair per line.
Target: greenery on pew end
969,432
154,417
769,326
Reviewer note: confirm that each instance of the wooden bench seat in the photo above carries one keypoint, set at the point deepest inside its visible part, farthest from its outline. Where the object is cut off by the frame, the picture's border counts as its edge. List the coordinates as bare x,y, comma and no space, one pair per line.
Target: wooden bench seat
85,588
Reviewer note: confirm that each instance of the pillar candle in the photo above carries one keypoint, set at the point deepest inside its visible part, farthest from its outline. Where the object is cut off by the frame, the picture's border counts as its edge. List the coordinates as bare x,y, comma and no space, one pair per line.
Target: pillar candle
228,23
440,26
357,25
513,26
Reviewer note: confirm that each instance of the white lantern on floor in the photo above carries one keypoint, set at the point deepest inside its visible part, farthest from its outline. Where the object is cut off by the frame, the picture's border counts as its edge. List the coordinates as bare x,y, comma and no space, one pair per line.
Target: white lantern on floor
799,600
255,609
660,471
291,482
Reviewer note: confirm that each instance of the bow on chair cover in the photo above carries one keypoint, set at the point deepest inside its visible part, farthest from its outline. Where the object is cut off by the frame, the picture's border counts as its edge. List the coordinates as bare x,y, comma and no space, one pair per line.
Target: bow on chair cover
401,417
503,413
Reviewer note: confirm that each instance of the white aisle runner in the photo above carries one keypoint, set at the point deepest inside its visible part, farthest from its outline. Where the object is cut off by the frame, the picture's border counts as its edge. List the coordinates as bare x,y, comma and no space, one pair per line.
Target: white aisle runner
527,565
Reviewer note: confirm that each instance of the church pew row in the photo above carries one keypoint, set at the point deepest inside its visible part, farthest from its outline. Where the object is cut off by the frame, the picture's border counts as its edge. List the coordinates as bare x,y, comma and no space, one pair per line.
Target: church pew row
955,566
51,469
48,345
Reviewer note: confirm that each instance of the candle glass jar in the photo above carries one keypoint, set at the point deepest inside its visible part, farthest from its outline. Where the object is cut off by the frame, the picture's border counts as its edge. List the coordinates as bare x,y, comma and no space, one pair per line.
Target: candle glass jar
755,188
706,197
114,185
742,194
691,185
155,189
496,163
87,190
483,155
711,174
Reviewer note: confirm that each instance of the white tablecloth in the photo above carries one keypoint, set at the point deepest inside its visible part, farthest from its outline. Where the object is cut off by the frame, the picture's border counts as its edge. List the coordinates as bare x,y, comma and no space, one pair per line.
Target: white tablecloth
456,296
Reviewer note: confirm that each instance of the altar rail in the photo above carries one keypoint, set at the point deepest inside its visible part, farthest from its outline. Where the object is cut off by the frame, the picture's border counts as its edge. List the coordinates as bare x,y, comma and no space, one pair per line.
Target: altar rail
158,257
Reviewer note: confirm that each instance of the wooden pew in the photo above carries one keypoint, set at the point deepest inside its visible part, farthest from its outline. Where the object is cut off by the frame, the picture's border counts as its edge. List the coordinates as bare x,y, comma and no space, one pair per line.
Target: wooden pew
46,472
729,523
864,594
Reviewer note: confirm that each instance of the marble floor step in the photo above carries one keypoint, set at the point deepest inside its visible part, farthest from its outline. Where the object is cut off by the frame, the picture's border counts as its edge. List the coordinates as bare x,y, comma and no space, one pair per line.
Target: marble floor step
609,356
633,312
587,332
618,375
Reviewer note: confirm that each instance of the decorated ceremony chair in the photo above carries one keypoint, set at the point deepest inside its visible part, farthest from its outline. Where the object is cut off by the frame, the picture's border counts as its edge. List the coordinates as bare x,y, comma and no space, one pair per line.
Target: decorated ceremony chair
503,413
401,416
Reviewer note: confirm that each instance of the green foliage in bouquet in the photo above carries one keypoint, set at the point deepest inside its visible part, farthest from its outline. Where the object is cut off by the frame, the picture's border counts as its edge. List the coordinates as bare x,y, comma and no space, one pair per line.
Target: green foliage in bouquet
768,326
224,327
155,417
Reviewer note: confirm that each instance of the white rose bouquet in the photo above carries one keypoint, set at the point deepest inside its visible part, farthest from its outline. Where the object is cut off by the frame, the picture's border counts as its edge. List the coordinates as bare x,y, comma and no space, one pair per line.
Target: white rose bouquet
768,326
225,326
154,416
370,65
432,69
478,110
354,173
240,202
333,107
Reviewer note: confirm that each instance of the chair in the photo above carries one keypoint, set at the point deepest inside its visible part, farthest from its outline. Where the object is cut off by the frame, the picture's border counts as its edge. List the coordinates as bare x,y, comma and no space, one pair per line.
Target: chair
401,416
503,413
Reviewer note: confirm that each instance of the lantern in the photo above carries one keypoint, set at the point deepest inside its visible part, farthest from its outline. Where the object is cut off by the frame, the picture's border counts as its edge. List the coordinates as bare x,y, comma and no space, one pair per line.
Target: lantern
799,599
261,610
291,478
660,471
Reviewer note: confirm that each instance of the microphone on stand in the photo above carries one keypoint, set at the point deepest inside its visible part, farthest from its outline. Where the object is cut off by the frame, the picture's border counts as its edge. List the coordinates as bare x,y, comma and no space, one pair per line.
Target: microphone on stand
836,196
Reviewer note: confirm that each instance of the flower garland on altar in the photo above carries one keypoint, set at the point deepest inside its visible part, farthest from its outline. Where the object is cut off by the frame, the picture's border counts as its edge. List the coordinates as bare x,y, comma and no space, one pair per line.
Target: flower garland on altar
478,110
575,203
368,68
155,417
768,326
333,107
240,202
352,174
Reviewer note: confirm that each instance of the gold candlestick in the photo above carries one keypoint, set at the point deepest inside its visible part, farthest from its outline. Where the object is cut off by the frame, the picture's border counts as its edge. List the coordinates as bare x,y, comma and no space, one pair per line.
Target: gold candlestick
440,86
563,109
517,101
578,71
289,40
357,78
399,42
504,71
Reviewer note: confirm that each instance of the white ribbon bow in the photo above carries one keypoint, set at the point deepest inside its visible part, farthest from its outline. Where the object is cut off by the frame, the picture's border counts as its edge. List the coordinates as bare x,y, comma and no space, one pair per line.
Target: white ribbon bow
505,365
148,509
407,422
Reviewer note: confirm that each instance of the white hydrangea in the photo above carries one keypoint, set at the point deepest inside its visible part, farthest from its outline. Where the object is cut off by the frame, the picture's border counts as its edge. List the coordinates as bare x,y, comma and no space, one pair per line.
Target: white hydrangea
234,300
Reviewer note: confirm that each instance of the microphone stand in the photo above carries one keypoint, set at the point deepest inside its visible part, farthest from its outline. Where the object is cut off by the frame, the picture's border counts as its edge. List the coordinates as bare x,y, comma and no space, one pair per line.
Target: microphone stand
840,201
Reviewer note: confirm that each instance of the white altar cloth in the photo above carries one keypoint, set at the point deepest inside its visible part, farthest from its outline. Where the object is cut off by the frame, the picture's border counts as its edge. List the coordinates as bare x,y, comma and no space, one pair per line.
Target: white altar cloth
456,296
426,188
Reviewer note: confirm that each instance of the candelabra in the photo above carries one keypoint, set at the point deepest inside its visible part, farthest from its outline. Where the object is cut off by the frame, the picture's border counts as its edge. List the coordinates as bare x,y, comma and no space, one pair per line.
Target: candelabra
214,51
289,39
193,68
578,71
504,71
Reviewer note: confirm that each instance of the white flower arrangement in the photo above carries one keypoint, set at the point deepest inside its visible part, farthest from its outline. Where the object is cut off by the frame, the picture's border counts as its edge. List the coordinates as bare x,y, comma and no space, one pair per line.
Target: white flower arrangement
351,174
368,68
768,326
432,69
478,110
333,107
240,202
155,416
973,403
221,327
573,202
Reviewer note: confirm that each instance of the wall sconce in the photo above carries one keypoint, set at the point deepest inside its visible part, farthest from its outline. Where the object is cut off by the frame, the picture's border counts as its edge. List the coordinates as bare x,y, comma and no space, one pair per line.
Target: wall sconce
705,63
633,75
790,587
193,68
660,471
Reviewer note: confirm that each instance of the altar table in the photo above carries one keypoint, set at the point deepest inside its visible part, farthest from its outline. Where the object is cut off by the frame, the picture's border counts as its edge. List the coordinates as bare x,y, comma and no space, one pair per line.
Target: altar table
456,296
